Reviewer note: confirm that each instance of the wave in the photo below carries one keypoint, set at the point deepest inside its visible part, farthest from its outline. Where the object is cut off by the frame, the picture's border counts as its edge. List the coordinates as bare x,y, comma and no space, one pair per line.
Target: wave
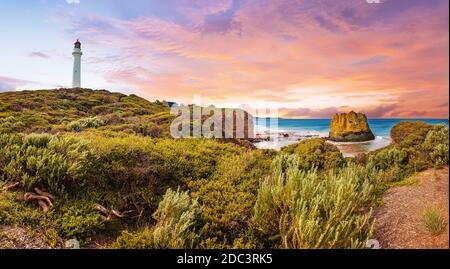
378,139
263,131
276,138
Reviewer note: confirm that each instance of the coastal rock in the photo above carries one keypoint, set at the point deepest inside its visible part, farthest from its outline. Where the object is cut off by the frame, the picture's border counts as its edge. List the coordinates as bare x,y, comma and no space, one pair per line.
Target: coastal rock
350,127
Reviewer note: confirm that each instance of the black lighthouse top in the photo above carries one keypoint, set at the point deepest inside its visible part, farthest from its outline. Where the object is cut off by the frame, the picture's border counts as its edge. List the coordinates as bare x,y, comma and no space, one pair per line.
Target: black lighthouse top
78,44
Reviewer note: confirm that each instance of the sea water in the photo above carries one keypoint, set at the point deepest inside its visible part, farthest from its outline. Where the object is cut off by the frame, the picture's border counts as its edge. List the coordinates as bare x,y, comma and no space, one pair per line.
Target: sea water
283,132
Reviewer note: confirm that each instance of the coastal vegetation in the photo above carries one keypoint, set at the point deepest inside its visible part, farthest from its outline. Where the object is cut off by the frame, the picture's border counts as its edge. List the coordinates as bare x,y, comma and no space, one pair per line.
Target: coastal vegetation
82,164
57,111
433,221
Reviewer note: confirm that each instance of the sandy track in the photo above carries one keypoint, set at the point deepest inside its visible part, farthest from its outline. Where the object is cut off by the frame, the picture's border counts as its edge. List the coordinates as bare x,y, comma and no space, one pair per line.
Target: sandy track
397,222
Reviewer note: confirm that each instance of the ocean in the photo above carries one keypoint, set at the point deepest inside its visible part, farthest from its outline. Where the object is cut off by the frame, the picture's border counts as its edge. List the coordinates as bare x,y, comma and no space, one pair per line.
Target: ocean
283,132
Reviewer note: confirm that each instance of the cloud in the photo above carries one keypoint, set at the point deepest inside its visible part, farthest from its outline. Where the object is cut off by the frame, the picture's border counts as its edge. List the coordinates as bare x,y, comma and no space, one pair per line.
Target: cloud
327,24
373,112
38,54
307,53
380,111
327,112
222,22
10,84
70,2
378,59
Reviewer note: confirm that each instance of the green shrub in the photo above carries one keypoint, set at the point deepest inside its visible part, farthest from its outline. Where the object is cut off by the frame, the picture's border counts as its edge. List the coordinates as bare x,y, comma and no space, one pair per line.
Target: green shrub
78,220
410,133
14,213
132,173
388,158
439,155
134,240
10,125
316,153
297,209
81,124
397,163
176,215
43,161
437,144
37,140
228,197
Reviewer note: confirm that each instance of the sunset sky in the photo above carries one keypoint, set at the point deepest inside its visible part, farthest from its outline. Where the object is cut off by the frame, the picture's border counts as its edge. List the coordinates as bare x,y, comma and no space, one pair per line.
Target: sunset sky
309,58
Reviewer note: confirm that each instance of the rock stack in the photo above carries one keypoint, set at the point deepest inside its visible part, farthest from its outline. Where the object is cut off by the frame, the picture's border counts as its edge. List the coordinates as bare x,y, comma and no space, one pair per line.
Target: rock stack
350,127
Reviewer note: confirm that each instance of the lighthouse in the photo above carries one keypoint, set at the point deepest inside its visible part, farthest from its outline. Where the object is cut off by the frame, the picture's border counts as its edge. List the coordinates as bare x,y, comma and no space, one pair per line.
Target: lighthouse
76,76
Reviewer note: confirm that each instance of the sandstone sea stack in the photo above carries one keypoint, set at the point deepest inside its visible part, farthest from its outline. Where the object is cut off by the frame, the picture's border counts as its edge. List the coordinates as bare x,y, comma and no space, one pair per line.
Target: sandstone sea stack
350,127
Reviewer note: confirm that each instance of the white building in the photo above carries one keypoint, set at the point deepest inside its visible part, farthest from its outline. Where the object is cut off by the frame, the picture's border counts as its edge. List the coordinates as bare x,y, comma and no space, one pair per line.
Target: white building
76,76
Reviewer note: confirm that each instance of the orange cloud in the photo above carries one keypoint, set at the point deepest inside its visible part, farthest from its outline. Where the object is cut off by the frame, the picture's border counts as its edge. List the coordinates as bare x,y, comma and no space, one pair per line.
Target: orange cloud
390,59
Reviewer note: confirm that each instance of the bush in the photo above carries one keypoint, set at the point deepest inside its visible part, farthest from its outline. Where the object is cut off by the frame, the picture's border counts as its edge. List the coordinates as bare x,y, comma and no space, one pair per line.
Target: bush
311,212
316,153
228,197
10,125
134,240
175,217
437,144
44,161
37,140
410,133
81,124
14,213
397,163
78,220
388,158
439,155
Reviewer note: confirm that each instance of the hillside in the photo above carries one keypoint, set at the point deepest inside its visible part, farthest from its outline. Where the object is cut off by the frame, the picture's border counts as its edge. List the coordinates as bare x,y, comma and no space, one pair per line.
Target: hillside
55,111
77,110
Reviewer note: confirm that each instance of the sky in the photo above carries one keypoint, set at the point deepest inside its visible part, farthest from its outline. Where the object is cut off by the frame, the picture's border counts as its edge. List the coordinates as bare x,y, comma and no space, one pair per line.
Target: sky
307,58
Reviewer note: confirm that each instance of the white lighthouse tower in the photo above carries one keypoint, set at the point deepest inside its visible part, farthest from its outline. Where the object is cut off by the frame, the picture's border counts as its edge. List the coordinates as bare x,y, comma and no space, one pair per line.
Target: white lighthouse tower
76,77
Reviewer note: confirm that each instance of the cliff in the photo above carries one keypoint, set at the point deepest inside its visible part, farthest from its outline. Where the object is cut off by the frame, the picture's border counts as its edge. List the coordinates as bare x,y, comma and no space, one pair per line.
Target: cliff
350,127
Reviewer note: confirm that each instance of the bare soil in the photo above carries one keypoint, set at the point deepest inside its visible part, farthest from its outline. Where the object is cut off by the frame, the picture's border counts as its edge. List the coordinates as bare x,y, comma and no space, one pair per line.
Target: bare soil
398,223
14,237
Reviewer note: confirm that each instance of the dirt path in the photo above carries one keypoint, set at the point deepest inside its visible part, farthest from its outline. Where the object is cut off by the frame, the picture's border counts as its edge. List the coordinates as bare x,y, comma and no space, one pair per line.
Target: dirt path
13,237
398,222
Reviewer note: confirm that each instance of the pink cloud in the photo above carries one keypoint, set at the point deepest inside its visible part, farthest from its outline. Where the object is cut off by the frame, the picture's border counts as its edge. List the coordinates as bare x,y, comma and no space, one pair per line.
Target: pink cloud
11,84
38,54
281,51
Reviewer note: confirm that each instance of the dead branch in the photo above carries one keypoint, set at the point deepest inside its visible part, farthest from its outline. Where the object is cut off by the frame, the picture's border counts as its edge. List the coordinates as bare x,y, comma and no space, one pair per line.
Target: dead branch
43,193
10,186
43,205
41,197
102,209
109,214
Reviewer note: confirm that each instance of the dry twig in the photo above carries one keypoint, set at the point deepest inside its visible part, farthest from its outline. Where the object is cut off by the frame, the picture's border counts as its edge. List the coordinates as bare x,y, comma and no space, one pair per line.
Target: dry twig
44,199
109,214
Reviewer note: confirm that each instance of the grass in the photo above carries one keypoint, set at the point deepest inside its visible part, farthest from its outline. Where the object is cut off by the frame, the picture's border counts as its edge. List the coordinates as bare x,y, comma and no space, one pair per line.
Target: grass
410,181
383,187
433,221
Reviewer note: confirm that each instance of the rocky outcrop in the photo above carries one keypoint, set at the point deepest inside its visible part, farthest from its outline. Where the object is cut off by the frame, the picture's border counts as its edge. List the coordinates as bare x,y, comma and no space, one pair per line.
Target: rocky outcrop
350,127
